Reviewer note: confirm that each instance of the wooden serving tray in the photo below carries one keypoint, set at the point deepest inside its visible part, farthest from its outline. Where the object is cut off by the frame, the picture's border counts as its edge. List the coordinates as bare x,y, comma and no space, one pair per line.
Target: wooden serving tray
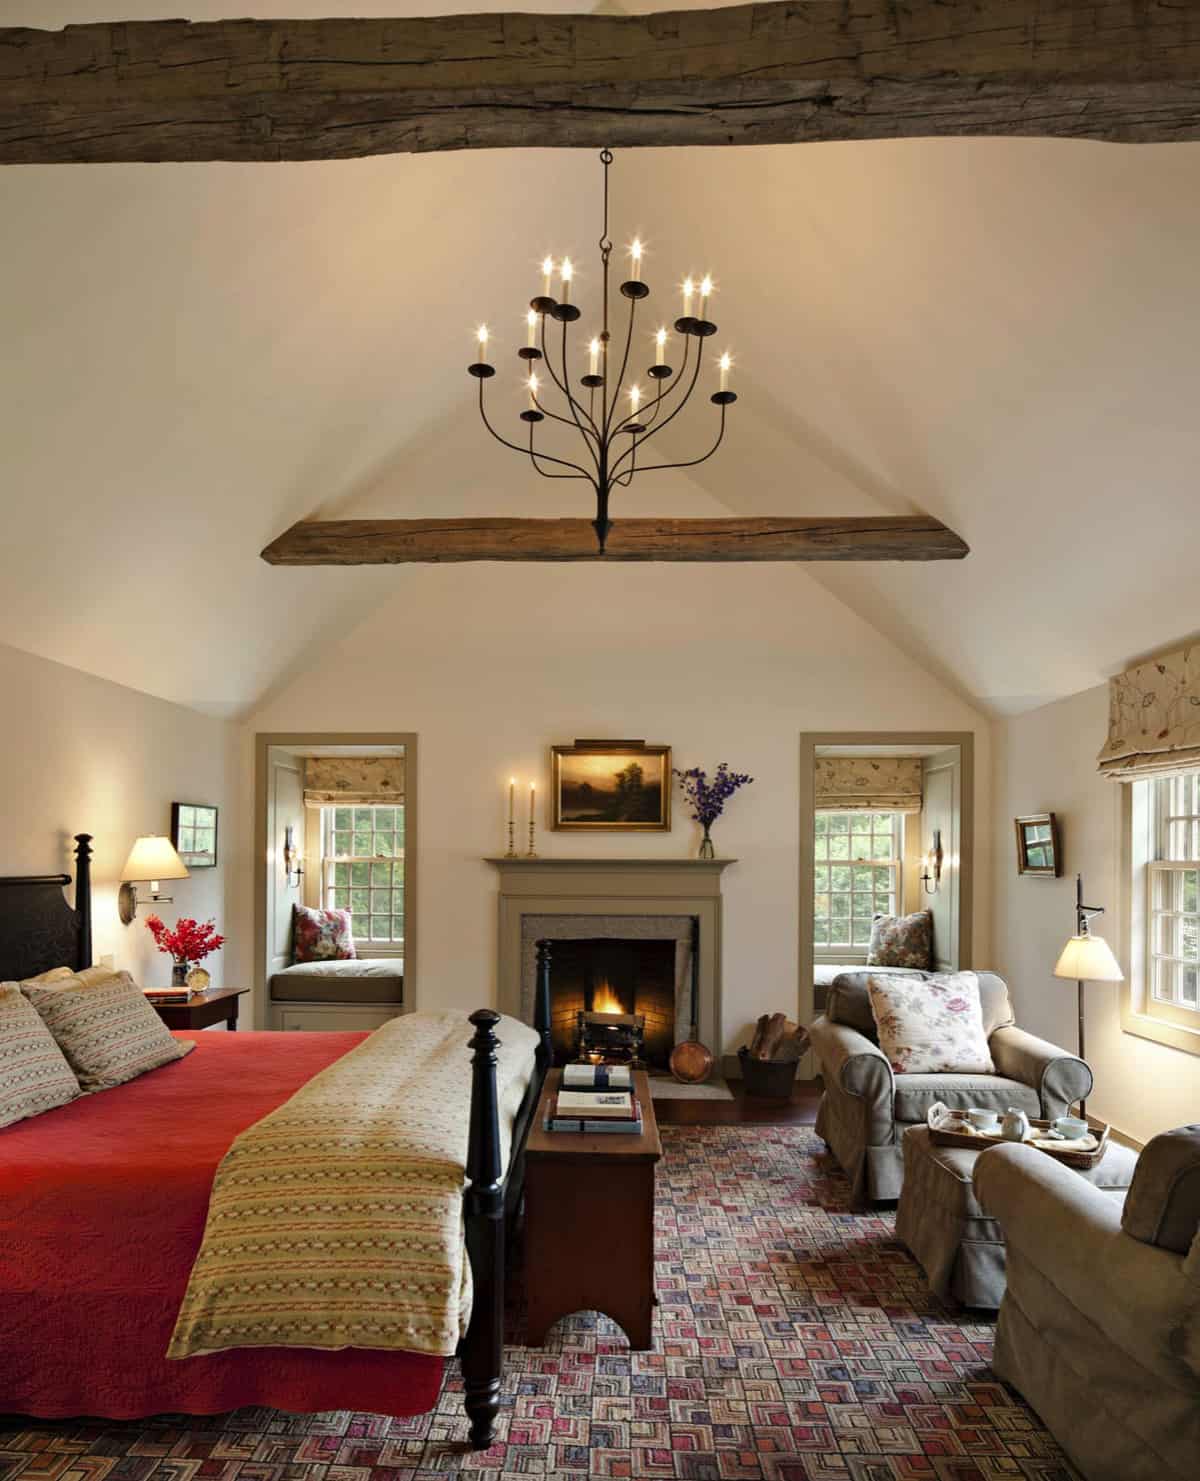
976,1141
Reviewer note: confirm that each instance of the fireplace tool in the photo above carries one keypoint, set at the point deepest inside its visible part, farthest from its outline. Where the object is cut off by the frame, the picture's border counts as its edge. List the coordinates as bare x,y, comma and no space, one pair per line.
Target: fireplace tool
691,1061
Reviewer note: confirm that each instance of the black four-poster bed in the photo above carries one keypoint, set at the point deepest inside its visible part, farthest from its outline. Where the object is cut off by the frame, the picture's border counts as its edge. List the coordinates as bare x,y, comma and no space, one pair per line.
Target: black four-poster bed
39,930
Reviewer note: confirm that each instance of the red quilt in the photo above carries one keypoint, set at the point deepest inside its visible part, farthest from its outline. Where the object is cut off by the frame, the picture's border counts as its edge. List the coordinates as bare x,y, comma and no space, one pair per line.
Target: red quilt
102,1208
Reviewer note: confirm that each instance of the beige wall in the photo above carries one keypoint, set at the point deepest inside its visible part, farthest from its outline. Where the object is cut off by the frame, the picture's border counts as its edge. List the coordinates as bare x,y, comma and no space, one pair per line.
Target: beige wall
492,664
1045,761
82,755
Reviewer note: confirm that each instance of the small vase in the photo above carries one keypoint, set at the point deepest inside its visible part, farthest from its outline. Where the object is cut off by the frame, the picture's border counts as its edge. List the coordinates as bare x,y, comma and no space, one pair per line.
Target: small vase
706,845
179,971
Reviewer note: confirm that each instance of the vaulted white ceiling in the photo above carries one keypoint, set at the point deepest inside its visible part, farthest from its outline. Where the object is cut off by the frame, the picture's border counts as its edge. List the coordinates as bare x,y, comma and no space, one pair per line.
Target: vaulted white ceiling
1000,333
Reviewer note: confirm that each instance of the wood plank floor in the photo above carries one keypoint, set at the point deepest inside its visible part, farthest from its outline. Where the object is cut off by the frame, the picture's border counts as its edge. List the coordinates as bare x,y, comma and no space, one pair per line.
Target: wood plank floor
743,1109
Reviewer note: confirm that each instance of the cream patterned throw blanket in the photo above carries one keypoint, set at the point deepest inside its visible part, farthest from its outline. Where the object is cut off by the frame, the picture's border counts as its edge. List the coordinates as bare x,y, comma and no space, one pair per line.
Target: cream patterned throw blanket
336,1221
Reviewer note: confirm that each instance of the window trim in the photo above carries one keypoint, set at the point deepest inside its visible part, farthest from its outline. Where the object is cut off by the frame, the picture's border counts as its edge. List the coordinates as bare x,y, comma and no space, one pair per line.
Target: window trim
1140,1015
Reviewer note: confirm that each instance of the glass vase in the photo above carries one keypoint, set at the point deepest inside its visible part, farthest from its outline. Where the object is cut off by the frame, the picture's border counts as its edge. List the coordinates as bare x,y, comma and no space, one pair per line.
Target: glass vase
707,851
179,971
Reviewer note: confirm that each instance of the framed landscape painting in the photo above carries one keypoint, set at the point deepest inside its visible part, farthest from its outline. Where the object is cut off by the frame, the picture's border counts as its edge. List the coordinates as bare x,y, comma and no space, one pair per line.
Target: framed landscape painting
616,786
194,834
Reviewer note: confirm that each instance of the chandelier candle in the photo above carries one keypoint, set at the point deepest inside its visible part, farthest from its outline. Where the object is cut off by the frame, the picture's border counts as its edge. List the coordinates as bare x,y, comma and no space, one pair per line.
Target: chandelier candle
613,439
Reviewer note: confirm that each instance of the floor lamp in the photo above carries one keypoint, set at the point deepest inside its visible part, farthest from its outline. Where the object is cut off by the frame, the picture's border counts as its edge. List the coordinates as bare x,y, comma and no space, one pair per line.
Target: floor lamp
1086,958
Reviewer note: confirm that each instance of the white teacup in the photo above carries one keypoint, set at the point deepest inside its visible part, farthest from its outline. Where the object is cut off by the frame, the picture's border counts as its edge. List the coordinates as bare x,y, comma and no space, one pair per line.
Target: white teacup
1072,1127
984,1120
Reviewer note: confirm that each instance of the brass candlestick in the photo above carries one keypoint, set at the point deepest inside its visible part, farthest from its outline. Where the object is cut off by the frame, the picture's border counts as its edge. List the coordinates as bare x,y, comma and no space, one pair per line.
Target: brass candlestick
512,840
532,854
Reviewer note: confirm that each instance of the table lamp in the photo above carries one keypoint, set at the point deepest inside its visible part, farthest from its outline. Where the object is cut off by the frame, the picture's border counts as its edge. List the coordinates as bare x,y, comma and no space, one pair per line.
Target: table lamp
1086,958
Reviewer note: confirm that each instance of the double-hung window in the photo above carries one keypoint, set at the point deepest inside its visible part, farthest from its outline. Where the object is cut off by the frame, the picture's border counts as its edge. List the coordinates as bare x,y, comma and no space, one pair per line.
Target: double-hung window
362,871
1173,900
857,875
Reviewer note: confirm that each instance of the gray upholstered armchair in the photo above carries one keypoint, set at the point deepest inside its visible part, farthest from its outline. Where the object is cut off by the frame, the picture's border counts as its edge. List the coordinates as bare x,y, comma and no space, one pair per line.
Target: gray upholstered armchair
1100,1324
866,1107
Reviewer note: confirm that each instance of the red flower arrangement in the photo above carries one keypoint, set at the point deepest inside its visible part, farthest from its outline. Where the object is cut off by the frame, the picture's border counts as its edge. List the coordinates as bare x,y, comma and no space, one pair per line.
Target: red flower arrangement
189,941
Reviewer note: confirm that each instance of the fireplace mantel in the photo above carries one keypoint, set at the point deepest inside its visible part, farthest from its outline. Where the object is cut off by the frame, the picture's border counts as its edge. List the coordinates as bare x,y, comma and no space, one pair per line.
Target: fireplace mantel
572,889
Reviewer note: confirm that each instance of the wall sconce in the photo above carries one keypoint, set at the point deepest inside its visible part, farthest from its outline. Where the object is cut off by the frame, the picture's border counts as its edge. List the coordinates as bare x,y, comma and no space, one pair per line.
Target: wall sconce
292,871
931,869
151,858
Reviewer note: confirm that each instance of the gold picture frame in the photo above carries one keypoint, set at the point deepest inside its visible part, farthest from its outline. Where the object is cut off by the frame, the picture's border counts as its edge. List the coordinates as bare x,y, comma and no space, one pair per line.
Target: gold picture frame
1039,847
617,786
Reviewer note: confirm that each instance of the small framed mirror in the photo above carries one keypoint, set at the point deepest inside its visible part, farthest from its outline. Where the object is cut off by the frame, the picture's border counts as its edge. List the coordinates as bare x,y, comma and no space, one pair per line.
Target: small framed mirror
194,834
1038,850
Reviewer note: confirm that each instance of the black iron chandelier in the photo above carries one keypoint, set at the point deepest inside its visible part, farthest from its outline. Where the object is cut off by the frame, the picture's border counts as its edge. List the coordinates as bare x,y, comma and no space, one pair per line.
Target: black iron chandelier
614,423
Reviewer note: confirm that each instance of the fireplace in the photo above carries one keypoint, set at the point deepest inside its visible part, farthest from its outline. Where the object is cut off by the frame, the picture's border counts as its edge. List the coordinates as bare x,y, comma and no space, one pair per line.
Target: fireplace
626,991
559,900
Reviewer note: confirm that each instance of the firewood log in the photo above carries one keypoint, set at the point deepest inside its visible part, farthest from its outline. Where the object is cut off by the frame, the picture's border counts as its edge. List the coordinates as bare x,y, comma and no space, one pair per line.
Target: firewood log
773,1034
760,1030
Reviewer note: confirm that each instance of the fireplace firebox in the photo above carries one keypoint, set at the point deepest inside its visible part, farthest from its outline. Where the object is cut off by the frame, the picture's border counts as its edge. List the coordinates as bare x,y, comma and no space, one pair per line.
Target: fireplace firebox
625,992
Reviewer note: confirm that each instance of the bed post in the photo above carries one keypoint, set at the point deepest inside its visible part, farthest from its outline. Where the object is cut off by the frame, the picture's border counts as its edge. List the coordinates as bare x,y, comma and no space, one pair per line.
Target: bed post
483,1347
83,896
541,1010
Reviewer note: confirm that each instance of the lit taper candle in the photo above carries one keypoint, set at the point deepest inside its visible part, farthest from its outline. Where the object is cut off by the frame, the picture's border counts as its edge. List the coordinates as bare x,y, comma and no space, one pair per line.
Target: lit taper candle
568,272
594,357
660,347
635,259
481,334
725,362
547,275
705,291
531,319
635,399
689,289
533,390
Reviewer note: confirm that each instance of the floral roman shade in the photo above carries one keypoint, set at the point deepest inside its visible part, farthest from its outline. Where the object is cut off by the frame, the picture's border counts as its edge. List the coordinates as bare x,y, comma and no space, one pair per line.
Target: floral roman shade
868,783
346,780
1154,718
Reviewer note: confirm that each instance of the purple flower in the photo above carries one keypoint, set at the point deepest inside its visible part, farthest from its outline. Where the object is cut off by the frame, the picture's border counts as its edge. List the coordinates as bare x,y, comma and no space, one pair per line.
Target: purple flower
707,798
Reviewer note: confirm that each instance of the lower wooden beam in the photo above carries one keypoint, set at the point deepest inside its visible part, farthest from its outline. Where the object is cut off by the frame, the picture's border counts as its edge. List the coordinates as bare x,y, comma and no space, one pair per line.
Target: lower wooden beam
374,542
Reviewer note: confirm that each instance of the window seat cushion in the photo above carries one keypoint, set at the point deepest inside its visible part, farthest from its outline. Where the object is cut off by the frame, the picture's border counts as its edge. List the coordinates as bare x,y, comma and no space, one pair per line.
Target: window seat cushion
357,980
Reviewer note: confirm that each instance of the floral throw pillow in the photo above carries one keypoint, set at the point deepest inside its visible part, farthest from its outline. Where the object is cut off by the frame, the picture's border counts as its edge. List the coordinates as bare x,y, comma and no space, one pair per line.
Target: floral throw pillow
902,941
931,1026
321,935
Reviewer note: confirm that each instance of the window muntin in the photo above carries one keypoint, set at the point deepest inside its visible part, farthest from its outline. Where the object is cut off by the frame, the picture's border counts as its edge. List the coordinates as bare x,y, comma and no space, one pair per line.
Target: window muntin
1173,900
362,870
856,875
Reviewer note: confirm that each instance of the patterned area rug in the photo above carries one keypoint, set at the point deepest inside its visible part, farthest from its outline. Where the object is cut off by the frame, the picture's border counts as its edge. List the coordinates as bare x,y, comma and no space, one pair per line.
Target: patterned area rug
795,1342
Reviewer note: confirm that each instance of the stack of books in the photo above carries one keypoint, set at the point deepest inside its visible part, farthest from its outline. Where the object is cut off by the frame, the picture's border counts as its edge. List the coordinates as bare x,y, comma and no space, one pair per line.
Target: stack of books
162,997
594,1110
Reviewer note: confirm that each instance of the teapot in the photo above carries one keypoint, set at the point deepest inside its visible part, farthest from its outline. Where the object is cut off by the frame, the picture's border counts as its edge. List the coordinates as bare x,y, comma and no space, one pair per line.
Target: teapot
1014,1125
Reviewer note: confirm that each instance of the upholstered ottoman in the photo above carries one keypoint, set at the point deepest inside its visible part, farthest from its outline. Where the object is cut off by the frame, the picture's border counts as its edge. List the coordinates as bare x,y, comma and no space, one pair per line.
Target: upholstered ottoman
959,1248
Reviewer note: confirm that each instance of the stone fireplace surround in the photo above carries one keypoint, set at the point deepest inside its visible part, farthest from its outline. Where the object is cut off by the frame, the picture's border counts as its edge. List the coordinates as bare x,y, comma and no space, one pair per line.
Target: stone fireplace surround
560,899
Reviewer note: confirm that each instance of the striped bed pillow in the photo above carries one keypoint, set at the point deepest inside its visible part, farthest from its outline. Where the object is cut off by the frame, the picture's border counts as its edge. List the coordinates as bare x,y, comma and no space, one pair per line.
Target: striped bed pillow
34,1075
108,1032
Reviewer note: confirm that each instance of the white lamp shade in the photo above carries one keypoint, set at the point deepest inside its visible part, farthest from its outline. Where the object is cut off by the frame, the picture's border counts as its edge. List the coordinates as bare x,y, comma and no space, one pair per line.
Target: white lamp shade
1089,959
153,857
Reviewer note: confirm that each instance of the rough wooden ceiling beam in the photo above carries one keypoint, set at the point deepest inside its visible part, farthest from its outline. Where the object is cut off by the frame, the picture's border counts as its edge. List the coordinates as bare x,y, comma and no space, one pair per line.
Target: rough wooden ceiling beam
365,542
753,74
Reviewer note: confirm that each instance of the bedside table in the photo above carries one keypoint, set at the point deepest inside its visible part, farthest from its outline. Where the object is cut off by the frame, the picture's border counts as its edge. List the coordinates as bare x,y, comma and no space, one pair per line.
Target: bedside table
589,1221
217,1005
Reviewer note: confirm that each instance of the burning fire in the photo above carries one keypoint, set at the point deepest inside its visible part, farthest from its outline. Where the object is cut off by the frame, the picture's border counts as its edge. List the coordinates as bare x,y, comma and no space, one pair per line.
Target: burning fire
604,999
